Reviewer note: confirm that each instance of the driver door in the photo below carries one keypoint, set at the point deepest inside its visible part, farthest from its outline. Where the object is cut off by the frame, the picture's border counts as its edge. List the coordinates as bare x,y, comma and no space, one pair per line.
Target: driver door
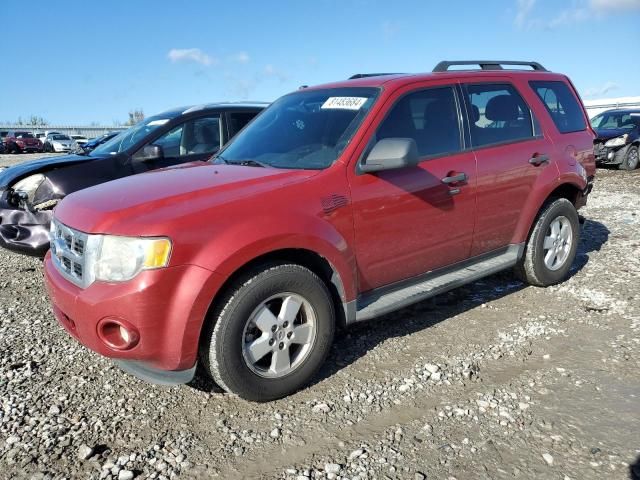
191,141
411,221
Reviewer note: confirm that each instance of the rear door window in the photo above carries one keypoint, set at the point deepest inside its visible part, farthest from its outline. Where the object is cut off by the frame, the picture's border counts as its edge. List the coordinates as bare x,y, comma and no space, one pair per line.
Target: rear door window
562,105
237,121
498,114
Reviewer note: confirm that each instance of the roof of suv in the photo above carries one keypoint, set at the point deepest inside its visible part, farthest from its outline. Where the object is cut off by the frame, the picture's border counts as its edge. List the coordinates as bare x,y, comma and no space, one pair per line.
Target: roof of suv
623,110
443,69
174,112
403,78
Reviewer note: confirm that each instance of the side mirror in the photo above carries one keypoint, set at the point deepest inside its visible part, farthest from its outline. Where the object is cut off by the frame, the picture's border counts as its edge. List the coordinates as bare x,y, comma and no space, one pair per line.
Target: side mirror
149,152
390,154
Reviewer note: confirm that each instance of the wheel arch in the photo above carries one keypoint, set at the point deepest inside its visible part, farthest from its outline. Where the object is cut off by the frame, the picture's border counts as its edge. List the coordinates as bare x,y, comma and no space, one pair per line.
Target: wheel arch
570,189
314,261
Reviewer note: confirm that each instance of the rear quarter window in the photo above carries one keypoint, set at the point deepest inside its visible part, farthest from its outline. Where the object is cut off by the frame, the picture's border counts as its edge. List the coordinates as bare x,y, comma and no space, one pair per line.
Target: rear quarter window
562,105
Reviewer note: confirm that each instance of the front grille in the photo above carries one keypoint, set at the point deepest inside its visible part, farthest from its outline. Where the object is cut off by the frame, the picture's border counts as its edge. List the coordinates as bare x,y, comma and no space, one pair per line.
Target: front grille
67,252
599,150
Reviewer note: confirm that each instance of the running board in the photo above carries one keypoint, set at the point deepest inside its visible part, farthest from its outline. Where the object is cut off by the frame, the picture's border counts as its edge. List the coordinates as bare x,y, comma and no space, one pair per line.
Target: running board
393,297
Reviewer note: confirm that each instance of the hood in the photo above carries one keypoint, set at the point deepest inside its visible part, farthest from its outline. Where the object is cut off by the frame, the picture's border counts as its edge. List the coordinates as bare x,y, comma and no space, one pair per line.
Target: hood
28,141
607,133
144,204
21,170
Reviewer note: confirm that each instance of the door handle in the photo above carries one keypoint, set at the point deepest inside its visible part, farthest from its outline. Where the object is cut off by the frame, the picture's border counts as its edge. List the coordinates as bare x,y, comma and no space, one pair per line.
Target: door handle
539,159
459,177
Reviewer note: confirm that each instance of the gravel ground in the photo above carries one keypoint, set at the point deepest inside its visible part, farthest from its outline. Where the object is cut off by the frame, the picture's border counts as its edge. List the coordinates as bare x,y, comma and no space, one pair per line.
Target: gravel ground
493,380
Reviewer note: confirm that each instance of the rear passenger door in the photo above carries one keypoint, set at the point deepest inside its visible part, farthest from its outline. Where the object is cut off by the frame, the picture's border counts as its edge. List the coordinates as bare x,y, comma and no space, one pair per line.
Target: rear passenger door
511,153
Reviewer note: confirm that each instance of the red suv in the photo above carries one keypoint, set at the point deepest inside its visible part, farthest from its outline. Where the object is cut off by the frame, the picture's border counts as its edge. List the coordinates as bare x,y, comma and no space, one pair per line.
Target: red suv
337,204
20,141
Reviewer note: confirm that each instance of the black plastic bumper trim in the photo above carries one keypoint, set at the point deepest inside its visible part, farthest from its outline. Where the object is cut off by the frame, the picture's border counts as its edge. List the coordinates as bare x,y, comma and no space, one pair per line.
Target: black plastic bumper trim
154,375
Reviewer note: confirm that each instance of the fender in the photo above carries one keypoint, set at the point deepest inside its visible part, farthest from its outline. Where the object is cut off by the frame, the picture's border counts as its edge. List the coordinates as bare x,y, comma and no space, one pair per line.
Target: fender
245,241
546,184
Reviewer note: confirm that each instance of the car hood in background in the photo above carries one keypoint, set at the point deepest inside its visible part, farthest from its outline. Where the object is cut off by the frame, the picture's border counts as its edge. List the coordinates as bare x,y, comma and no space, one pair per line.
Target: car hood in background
28,141
21,170
607,133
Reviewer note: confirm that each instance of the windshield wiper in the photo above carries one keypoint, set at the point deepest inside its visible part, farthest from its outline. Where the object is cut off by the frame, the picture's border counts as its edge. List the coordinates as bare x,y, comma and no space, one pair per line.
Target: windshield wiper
245,163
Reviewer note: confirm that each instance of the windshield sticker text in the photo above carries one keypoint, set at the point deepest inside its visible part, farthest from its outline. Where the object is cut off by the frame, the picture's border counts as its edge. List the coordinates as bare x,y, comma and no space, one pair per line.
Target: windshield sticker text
345,103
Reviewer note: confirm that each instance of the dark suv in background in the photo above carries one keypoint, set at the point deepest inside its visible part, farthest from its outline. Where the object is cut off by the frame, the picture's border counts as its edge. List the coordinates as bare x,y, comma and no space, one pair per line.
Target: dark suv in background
29,191
618,138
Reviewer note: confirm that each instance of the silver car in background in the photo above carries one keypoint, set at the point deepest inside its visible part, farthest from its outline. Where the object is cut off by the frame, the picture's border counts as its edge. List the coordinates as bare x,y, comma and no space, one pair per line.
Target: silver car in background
57,142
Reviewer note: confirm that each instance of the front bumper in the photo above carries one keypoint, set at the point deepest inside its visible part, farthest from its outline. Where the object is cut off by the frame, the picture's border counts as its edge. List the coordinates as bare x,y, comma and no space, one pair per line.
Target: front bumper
165,307
30,148
609,155
24,231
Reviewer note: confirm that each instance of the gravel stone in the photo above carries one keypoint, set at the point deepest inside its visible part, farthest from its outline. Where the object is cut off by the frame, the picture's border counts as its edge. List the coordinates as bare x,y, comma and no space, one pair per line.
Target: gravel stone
125,475
85,452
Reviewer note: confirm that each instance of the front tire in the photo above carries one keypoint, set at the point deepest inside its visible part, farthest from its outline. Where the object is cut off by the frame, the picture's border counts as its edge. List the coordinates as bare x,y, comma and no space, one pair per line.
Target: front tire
631,159
552,245
270,333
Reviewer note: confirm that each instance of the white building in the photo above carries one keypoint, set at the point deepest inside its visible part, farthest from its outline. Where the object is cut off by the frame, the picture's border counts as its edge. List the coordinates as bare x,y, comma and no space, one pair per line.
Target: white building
595,107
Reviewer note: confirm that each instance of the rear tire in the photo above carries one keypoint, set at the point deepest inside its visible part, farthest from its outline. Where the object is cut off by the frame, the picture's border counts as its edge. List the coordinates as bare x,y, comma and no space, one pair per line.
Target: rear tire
270,332
631,159
552,245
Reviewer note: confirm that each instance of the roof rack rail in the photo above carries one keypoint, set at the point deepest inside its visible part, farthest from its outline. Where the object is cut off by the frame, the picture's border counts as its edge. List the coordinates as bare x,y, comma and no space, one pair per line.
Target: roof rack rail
365,75
488,64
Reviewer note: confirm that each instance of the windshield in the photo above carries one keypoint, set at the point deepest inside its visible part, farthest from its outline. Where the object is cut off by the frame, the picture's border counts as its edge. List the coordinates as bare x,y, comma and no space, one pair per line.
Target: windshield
24,135
131,136
307,129
616,120
59,137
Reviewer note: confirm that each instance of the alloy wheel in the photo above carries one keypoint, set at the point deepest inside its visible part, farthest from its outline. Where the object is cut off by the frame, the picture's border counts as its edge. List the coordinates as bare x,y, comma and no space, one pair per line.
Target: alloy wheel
557,243
279,335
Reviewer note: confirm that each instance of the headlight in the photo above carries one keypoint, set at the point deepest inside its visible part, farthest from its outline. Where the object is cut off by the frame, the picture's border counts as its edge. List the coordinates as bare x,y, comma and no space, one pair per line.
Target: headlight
118,259
618,141
28,186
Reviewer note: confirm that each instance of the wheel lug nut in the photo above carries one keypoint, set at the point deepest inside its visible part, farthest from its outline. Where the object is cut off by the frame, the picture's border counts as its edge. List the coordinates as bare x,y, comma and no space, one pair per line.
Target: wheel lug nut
289,334
281,346
272,341
285,324
274,328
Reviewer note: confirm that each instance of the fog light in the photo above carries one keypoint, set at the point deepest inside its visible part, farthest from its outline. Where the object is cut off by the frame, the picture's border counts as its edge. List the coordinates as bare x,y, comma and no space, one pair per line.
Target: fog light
124,333
118,334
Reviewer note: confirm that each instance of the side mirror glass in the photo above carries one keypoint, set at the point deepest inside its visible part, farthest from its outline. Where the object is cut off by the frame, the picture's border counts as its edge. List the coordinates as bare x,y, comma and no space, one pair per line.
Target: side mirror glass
390,154
149,152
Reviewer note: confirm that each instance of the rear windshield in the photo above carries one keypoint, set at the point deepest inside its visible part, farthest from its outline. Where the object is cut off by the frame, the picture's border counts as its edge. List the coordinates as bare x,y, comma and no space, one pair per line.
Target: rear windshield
307,129
24,135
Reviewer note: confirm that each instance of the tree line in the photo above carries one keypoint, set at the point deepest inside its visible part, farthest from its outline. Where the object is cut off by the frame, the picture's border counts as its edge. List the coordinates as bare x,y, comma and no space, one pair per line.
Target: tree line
135,116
